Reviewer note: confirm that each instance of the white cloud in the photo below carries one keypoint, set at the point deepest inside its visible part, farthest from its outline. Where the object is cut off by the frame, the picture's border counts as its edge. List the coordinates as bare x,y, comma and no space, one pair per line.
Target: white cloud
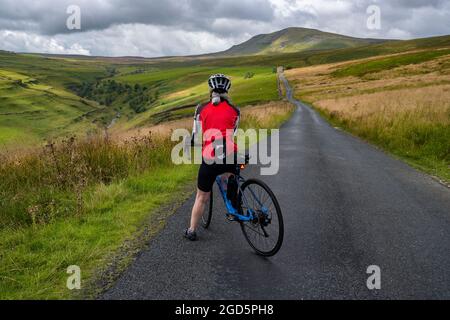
20,41
395,33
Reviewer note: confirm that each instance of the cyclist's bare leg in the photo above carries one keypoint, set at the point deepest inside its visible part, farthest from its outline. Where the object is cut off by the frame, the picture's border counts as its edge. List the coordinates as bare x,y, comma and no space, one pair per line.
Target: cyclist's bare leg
199,206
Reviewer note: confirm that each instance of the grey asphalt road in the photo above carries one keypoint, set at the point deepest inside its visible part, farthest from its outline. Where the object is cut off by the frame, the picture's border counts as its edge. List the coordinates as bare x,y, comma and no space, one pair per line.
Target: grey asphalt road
346,206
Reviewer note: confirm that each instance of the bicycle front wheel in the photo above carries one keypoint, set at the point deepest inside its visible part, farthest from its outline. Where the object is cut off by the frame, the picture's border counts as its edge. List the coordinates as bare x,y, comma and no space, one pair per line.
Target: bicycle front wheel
266,231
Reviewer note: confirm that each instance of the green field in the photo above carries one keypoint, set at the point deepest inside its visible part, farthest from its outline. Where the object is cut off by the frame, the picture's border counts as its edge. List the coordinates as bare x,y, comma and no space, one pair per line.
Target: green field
31,111
361,69
35,100
178,87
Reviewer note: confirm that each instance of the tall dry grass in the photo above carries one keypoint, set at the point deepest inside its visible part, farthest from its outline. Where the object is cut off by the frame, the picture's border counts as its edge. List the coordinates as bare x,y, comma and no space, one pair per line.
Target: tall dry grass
407,113
49,183
406,110
268,116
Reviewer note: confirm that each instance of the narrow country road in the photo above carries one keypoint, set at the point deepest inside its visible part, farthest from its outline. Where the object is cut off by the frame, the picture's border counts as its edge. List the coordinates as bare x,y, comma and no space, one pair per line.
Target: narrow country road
346,206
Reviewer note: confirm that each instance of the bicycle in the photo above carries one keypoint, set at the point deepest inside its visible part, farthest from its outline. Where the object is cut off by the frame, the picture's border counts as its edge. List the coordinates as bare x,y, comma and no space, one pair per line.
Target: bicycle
254,212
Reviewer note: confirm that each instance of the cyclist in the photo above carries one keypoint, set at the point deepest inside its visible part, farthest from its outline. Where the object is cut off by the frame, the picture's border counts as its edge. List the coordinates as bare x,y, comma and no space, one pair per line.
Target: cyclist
216,119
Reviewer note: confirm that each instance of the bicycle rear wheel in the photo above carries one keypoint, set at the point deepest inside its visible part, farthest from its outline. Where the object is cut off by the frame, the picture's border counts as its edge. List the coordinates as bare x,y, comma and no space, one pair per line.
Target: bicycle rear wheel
207,213
266,231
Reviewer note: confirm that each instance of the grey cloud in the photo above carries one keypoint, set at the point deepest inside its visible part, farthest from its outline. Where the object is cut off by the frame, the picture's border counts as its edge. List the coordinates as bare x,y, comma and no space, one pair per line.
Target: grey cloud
417,3
179,27
49,17
257,10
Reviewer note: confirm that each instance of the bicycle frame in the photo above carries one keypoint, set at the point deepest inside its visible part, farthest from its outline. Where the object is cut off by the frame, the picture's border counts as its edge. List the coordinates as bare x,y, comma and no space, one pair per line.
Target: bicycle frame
231,210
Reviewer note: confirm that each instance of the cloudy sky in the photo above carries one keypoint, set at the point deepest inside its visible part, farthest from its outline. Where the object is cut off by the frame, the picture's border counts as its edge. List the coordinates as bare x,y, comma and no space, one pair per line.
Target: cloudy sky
180,27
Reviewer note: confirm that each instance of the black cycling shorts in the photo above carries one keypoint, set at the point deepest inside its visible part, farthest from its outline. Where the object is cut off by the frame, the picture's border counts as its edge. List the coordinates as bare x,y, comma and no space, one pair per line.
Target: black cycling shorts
208,173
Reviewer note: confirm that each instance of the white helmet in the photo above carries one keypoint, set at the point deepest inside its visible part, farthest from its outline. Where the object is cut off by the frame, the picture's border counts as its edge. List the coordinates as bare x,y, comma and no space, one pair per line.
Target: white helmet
219,82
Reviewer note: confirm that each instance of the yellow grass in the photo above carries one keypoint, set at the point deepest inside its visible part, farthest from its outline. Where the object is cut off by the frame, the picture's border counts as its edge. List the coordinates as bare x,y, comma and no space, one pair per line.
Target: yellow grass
405,110
426,104
266,112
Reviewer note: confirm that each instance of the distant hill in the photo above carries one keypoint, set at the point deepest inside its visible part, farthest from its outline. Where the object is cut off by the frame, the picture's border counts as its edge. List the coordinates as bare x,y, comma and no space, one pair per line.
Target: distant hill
295,40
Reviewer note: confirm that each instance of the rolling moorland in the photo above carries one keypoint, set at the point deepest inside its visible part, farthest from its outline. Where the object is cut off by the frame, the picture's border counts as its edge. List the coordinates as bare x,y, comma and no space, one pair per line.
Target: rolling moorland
43,97
84,142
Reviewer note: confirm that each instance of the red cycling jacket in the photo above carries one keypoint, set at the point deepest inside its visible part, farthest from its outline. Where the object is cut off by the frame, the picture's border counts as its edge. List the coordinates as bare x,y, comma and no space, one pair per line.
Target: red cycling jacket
218,123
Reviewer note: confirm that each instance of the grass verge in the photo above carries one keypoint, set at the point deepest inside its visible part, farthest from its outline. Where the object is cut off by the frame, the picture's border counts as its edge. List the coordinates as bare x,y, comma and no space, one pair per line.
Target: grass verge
403,106
408,135
35,259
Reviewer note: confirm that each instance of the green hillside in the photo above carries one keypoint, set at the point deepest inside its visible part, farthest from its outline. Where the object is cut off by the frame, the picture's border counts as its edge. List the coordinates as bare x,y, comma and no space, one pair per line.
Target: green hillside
179,89
44,96
296,40
35,103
